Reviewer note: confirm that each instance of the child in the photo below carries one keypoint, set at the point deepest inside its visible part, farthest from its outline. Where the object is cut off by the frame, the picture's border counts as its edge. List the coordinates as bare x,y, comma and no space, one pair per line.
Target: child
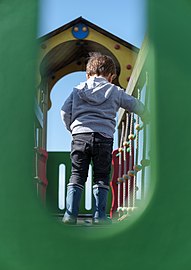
89,114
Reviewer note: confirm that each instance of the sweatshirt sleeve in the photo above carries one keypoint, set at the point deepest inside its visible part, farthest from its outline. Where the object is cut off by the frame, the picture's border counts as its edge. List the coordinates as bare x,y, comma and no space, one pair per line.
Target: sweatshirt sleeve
66,112
132,104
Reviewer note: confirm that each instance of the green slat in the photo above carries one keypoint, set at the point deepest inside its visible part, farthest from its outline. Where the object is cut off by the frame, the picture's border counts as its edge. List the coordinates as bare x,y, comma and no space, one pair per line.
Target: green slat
54,160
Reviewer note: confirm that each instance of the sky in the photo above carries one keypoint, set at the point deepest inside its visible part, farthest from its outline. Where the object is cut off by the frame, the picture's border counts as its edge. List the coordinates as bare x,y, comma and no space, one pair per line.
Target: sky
125,19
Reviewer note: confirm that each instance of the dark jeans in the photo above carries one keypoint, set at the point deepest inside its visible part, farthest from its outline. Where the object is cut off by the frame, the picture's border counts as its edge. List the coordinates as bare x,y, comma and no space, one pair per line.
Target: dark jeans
87,147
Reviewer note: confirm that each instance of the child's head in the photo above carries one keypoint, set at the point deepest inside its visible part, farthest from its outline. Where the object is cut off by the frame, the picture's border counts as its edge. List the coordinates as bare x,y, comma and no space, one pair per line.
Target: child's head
101,65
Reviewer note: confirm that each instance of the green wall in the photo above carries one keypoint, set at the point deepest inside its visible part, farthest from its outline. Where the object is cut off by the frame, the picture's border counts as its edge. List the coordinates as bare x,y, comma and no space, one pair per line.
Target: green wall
54,160
158,239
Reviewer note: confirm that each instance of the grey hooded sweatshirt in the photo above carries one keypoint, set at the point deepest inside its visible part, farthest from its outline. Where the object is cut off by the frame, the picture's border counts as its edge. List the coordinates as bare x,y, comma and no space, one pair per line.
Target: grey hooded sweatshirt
92,107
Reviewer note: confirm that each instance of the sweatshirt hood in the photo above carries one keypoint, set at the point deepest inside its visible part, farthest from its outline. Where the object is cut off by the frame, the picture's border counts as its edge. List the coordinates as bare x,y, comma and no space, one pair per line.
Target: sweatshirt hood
95,91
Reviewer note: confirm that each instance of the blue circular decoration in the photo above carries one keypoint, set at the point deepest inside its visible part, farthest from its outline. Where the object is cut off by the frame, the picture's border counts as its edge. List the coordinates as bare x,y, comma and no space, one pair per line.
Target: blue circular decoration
80,31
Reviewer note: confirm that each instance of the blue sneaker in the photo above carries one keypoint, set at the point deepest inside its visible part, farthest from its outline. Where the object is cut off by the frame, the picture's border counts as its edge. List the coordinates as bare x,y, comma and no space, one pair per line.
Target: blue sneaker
69,220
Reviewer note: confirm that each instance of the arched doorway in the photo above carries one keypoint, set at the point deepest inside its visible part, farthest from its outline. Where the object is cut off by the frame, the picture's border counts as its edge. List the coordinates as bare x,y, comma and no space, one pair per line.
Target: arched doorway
62,52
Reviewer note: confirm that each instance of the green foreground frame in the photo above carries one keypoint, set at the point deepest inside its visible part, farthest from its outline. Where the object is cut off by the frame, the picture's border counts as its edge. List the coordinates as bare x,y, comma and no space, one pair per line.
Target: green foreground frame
157,239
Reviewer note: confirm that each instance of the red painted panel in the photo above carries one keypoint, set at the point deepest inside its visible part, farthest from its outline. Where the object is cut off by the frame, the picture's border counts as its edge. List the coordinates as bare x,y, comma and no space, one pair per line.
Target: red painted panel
41,170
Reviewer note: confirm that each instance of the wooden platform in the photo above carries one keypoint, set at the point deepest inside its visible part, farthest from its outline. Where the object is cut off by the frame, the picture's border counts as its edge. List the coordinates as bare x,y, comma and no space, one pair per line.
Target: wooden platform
86,221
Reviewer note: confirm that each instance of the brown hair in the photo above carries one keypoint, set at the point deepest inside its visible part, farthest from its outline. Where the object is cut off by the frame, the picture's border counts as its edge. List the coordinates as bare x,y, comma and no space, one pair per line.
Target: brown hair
99,64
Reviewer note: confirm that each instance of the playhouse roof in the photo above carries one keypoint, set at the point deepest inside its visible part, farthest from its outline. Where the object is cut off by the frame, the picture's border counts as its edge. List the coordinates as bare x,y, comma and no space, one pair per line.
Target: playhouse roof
93,26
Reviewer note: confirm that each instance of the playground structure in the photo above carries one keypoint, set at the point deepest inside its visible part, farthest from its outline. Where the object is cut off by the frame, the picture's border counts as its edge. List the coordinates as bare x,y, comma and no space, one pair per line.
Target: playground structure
64,51
130,162
158,239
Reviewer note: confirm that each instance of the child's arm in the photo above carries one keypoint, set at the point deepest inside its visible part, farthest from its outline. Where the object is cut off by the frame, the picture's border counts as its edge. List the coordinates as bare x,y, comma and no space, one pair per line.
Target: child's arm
66,112
132,104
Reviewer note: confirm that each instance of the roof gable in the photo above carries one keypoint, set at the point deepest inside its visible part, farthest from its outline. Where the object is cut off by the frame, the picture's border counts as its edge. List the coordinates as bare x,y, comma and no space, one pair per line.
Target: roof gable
93,26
